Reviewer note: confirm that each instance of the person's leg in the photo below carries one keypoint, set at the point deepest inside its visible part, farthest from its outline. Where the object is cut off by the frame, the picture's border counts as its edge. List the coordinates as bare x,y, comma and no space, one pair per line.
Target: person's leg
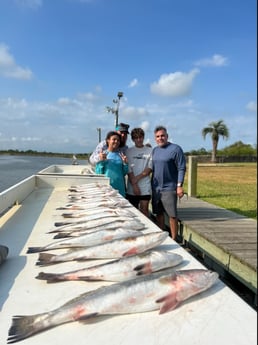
173,224
144,207
160,220
169,201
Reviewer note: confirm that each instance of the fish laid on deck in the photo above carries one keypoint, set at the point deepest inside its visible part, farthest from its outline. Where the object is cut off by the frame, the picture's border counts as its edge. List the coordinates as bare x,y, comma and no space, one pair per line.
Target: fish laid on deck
120,269
94,211
97,216
89,205
99,224
94,195
109,250
163,290
89,239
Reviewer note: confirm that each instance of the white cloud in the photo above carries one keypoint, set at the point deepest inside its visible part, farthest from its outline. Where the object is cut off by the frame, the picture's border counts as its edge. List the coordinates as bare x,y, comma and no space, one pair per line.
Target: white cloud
133,83
9,68
134,112
174,84
215,61
252,106
145,125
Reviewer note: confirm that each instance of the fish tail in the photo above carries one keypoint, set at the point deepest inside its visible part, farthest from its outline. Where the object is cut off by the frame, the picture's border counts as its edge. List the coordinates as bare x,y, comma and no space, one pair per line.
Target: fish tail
46,259
62,235
68,215
34,249
50,277
61,223
23,327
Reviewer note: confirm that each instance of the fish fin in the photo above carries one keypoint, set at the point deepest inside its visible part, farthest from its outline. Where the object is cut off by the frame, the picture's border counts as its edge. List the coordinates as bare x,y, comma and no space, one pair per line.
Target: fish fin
23,327
45,259
143,269
67,215
85,318
49,277
61,223
130,252
169,302
34,250
62,235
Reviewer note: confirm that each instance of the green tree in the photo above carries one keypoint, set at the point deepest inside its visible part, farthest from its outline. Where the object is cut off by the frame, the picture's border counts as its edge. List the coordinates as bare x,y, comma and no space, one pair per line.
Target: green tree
238,149
215,129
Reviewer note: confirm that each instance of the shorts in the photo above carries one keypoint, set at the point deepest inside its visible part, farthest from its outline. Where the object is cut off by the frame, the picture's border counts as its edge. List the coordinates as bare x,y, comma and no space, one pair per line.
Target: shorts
135,199
165,202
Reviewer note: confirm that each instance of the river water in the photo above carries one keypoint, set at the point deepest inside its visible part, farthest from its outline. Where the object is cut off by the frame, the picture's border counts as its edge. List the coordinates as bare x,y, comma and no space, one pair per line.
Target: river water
14,169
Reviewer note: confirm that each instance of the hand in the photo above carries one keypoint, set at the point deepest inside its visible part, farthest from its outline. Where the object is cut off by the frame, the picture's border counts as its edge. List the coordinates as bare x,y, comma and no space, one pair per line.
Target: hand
102,155
180,192
123,157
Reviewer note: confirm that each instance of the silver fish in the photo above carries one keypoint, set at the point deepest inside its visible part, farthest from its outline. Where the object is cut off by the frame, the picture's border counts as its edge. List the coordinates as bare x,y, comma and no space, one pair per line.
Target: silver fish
110,250
93,195
89,239
120,269
109,213
94,223
163,291
90,205
130,224
86,213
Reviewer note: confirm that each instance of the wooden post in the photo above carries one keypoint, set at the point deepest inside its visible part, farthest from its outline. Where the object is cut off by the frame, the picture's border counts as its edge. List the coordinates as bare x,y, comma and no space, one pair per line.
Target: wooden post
192,175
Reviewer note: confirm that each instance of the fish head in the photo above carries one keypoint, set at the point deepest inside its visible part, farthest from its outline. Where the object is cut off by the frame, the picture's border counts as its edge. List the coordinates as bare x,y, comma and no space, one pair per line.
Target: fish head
197,279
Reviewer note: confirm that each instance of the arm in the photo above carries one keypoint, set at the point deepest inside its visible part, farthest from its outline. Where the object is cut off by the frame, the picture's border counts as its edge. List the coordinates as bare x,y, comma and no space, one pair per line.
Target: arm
181,167
135,179
94,157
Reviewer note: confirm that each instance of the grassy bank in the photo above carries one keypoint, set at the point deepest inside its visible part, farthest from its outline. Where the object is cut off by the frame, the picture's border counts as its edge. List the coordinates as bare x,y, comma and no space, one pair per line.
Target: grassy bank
231,186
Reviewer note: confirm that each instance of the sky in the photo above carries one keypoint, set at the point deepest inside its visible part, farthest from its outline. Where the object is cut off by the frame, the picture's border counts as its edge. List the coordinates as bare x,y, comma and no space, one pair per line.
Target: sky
182,64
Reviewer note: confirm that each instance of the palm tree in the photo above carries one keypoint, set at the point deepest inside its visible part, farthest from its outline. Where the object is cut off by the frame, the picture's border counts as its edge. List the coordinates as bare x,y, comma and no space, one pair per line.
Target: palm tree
216,129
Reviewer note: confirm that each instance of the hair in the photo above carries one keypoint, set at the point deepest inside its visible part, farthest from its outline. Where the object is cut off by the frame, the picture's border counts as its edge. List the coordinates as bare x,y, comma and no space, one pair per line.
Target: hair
110,134
137,132
160,128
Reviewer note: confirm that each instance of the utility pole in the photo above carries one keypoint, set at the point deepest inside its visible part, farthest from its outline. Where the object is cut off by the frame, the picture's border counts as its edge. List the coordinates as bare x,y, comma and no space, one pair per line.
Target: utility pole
116,109
99,130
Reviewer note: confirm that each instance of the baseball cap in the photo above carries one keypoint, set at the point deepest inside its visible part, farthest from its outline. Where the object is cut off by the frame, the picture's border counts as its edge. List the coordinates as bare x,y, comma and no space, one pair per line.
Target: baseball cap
122,127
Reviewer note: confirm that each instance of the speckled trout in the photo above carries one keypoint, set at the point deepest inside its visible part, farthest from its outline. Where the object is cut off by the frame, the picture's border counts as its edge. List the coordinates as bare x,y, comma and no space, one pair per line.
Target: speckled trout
109,250
110,213
89,239
120,269
133,224
163,291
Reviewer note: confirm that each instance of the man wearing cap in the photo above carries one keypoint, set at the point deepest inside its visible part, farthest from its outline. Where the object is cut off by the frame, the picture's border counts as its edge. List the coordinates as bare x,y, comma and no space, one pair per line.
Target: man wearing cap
122,129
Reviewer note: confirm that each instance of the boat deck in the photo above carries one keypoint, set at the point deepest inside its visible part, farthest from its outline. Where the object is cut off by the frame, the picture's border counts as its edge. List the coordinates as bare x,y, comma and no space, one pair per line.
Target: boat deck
223,237
216,316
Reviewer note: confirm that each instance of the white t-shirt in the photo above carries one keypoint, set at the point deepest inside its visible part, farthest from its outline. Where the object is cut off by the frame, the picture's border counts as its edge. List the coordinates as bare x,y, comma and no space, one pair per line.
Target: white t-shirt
139,158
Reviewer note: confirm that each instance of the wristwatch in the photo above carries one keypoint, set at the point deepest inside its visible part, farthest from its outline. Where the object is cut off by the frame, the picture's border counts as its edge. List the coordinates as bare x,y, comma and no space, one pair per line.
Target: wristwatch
180,184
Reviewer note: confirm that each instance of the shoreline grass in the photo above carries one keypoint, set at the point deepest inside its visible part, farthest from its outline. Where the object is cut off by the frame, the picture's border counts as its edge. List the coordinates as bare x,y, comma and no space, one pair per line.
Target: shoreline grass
231,186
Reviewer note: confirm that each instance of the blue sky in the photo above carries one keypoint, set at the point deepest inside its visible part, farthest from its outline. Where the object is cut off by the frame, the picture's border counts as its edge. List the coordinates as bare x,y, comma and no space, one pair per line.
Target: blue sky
179,63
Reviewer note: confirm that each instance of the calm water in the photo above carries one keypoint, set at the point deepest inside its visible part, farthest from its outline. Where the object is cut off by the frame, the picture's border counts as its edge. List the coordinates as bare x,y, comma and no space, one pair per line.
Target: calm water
14,169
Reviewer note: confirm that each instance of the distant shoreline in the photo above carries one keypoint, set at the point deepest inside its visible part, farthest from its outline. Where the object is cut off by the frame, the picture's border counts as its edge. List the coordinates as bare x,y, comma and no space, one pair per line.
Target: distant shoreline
44,154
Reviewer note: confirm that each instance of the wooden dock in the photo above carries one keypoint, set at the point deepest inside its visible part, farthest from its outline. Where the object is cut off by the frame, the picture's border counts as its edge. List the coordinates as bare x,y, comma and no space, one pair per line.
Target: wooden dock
224,238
